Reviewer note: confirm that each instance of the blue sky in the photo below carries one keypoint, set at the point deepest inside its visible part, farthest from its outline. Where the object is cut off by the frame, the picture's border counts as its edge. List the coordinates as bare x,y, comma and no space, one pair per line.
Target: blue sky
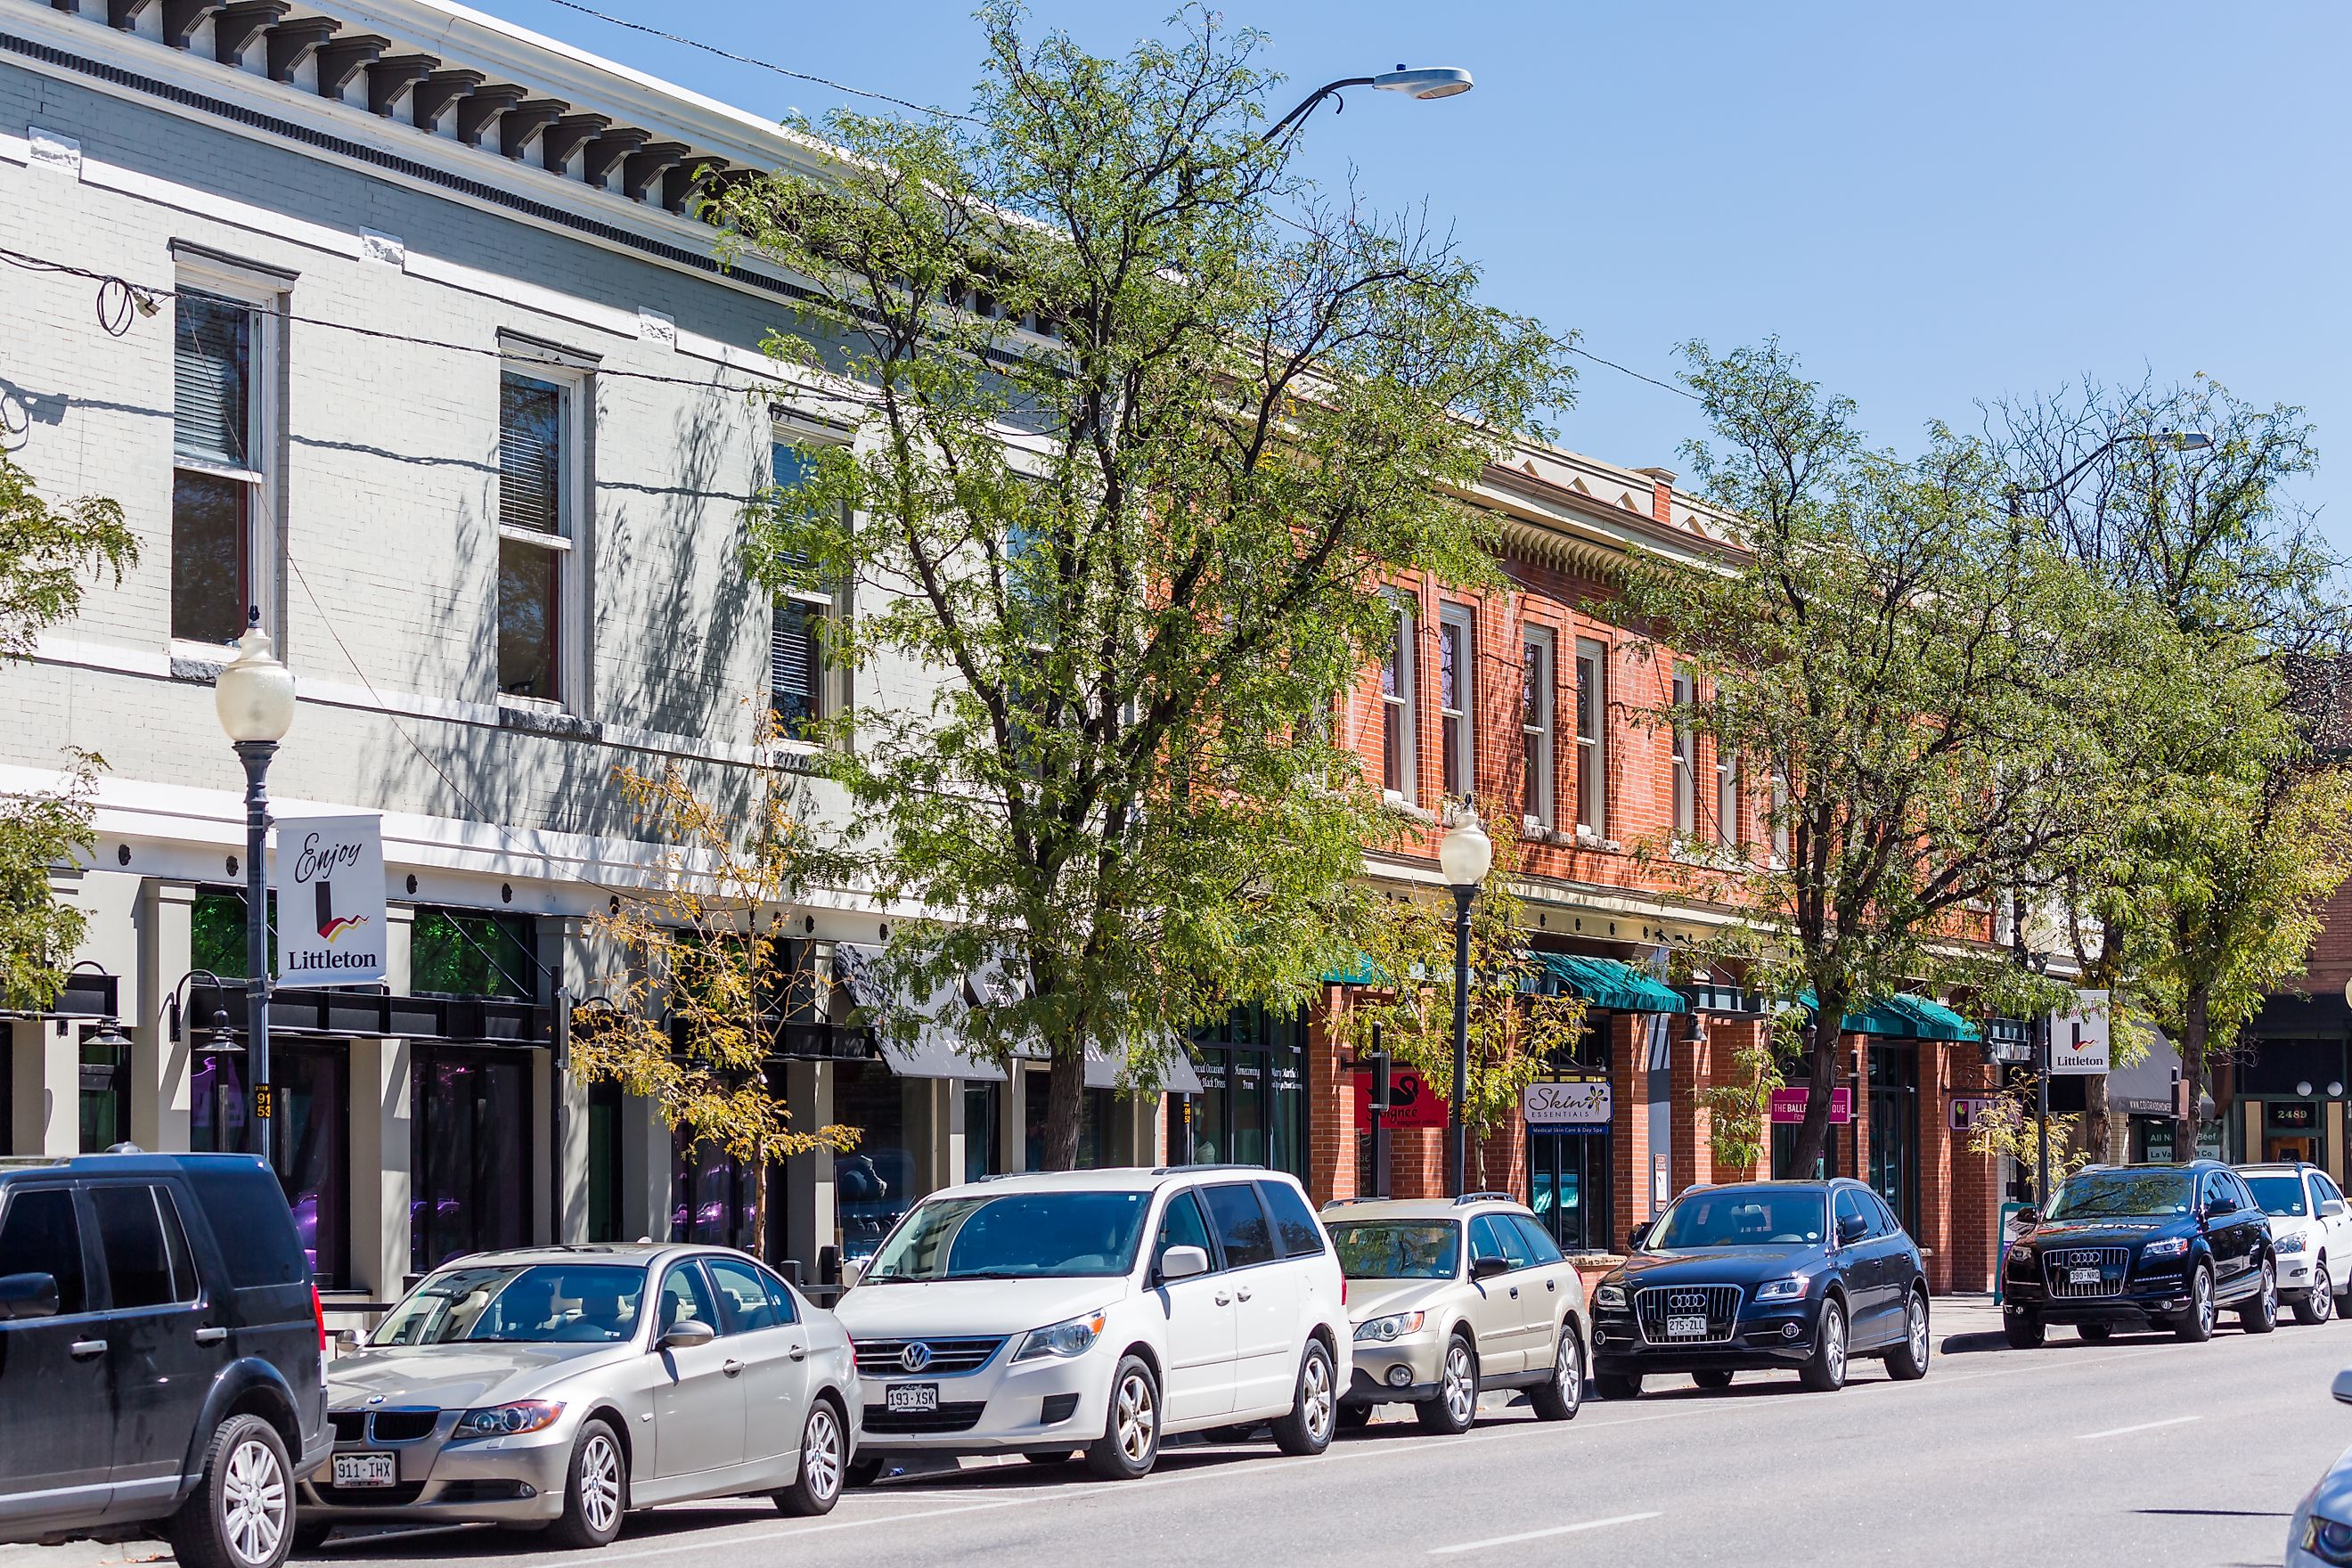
1934,206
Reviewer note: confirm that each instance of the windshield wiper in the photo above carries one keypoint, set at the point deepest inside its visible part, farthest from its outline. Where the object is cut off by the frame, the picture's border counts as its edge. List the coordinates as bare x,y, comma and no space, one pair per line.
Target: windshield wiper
990,1274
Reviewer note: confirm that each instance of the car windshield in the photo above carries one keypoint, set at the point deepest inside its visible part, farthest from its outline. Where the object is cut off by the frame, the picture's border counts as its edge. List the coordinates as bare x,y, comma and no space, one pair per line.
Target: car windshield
1742,1217
2280,1195
578,1303
1399,1249
1020,1236
2102,1194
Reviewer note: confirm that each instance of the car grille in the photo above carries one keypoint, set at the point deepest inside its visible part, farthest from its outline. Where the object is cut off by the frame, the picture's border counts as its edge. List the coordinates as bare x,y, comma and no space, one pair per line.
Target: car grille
1719,1303
389,1425
351,1425
2113,1264
406,1492
949,1358
958,1417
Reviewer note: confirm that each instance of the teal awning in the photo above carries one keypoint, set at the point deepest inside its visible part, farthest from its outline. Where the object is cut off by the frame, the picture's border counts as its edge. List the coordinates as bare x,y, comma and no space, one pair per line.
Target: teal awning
1606,982
1363,972
1904,1017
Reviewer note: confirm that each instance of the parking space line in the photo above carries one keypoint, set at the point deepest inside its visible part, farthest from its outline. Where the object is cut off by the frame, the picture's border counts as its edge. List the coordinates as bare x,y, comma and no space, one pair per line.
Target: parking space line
2143,1426
1542,1534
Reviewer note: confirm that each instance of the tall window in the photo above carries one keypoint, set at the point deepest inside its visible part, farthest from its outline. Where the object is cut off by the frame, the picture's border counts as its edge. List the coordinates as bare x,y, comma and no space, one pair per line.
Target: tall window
1592,751
1685,762
1780,818
537,510
799,681
1457,646
218,482
1727,826
1535,723
1397,767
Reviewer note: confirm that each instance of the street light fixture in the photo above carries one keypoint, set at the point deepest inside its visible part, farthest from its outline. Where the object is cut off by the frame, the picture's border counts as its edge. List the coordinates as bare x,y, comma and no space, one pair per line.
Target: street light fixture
255,698
1463,856
1429,82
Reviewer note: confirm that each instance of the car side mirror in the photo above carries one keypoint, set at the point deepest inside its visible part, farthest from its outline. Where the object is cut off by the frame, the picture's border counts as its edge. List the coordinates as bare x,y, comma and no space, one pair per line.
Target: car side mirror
1487,1267
2343,1388
1183,1262
2028,1218
853,1269
1638,1237
27,1296
687,1333
2333,1208
1851,1230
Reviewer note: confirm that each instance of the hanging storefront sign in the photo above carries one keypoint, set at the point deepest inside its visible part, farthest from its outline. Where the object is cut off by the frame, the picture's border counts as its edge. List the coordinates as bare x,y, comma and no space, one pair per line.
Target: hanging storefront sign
2078,1036
1966,1108
1569,1105
1411,1103
329,878
1789,1104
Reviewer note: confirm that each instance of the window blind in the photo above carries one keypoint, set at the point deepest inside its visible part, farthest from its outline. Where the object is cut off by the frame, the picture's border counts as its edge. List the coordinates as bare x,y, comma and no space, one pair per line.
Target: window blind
793,663
212,360
529,454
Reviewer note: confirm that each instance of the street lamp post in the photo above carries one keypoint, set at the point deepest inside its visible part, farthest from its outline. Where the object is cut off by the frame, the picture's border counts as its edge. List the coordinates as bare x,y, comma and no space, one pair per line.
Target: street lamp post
1442,81
1464,856
255,698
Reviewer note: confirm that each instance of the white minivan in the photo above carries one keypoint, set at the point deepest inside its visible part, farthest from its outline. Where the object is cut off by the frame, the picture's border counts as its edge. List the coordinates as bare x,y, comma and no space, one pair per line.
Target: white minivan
1099,1311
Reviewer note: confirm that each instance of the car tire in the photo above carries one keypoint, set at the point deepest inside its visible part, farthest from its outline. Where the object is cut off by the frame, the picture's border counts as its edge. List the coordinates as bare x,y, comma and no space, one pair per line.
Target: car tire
1312,1417
1050,1456
2260,1314
2318,1303
1455,1408
241,1514
1129,1445
595,1490
2095,1333
1617,1384
1824,1370
1907,1362
2023,1331
864,1470
825,1454
1355,1418
1712,1379
309,1536
2196,1326
1563,1395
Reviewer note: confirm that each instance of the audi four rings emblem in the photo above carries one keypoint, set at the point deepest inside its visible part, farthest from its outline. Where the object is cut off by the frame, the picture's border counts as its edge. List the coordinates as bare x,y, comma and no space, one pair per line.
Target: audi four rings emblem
1687,1303
916,1356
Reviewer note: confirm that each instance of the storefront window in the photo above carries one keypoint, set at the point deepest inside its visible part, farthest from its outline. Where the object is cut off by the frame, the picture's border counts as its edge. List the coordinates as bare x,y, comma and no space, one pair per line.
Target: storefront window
1567,1187
472,952
309,1132
982,1130
1251,1108
1895,1130
713,1198
604,1161
470,1153
874,1183
105,1109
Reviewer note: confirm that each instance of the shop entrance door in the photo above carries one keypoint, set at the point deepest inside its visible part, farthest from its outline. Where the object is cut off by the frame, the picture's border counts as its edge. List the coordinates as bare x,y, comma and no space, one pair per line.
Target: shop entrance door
2279,1148
2291,1129
1567,1187
470,1153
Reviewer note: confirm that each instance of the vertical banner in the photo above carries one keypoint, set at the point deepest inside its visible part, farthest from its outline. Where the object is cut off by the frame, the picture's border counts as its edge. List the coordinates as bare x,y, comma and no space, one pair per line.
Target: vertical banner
2078,1036
329,879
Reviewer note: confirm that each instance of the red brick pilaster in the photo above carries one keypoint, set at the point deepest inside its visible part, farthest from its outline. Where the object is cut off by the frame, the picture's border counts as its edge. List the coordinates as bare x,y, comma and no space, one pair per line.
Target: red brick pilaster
1331,1106
1629,1089
1691,1068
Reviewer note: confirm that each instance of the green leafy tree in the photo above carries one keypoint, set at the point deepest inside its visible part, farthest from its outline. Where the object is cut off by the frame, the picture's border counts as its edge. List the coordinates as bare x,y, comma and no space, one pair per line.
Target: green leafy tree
48,554
1920,695
1147,422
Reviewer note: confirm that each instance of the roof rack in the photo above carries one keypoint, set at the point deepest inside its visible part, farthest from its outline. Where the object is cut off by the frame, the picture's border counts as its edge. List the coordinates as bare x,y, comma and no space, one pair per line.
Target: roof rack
1485,1198
1365,1198
1173,1169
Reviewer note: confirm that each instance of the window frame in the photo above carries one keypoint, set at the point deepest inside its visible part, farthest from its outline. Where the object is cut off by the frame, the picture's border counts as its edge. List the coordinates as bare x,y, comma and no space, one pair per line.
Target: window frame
1458,726
574,383
175,1299
1538,741
1730,823
833,690
1400,696
1685,764
1592,748
1777,829
264,294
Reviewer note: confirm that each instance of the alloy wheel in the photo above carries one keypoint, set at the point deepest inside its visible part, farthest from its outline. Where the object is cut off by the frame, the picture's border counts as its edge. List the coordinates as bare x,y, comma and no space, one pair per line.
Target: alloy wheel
600,1483
2323,1292
2269,1291
1568,1371
2204,1300
1833,1341
1461,1390
253,1502
821,1453
1137,1418
1314,1399
1918,1332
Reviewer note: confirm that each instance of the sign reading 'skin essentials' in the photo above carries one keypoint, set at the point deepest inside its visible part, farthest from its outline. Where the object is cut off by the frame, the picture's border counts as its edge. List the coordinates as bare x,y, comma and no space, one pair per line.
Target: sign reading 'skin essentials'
330,883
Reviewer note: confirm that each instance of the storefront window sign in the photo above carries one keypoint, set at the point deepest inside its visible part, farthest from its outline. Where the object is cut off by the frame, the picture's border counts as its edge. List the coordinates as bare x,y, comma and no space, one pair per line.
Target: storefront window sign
1573,1106
1789,1104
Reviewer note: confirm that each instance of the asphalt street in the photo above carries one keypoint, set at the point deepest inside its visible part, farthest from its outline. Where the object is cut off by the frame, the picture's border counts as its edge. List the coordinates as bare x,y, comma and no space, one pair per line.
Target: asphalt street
2141,1450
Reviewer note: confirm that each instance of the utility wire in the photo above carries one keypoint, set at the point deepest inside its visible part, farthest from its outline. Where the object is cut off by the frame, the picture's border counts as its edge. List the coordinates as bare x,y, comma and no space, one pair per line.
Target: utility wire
1637,375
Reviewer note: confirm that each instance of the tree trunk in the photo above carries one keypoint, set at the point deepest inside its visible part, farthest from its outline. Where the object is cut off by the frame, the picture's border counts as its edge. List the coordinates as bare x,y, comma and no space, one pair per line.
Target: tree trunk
2093,1138
2193,1024
761,1172
1813,1133
1064,1107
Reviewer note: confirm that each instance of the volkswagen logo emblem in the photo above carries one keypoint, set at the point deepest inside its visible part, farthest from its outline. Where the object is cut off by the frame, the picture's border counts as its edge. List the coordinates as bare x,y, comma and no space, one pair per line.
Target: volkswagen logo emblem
1688,1302
916,1356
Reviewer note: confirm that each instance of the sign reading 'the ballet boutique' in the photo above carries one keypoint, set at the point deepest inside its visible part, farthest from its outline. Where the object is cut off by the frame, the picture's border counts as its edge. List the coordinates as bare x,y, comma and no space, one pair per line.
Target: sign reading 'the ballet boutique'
330,883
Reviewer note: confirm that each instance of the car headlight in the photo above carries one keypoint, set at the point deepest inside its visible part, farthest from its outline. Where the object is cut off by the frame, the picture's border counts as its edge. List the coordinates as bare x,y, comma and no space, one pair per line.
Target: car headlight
1396,1326
1793,1288
2021,1256
2165,1246
2294,1243
2328,1540
509,1420
1609,1296
1073,1337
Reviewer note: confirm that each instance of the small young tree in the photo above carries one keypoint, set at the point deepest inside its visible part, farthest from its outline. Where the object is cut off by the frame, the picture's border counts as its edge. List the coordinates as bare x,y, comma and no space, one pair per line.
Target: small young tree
1150,423
1515,1028
47,555
700,1000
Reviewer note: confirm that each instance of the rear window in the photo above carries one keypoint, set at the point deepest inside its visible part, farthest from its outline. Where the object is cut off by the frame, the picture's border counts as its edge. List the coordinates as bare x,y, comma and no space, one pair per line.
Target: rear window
251,1224
1294,1221
39,1235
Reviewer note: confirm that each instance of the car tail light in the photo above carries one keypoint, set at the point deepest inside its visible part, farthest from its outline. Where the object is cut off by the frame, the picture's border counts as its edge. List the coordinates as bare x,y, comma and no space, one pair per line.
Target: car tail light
1343,1290
318,1317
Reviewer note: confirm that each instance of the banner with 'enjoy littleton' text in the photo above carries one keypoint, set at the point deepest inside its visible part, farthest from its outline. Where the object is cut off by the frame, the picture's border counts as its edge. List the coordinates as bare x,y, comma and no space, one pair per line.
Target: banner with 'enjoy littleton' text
330,883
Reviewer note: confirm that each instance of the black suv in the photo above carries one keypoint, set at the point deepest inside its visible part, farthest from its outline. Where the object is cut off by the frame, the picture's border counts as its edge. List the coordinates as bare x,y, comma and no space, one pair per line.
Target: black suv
2138,1247
1798,1276
162,1355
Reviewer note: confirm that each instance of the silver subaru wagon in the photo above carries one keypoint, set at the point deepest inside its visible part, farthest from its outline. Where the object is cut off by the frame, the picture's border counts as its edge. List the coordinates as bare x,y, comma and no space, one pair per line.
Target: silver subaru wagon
566,1386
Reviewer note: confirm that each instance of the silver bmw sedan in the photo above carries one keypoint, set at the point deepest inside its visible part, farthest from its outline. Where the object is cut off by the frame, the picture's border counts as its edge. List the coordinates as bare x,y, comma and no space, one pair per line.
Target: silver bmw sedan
566,1386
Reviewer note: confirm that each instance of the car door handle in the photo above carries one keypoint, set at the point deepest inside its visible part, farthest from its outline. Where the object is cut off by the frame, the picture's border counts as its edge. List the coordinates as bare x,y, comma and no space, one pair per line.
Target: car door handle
798,1352
1515,1292
1242,1294
1222,1300
82,1350
731,1368
211,1336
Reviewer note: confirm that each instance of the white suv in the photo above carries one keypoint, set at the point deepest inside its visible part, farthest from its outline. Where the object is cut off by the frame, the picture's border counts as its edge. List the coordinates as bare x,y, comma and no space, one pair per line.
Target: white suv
2311,1232
1100,1310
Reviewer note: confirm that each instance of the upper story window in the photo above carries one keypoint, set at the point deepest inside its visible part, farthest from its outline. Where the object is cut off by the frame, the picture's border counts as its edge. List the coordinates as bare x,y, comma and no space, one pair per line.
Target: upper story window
1457,645
223,422
804,687
1728,829
1592,744
1685,764
1397,697
1780,819
541,598
1536,657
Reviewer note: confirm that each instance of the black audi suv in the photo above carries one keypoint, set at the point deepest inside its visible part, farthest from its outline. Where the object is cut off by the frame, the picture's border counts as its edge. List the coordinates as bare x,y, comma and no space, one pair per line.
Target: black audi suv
2141,1247
1763,1276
